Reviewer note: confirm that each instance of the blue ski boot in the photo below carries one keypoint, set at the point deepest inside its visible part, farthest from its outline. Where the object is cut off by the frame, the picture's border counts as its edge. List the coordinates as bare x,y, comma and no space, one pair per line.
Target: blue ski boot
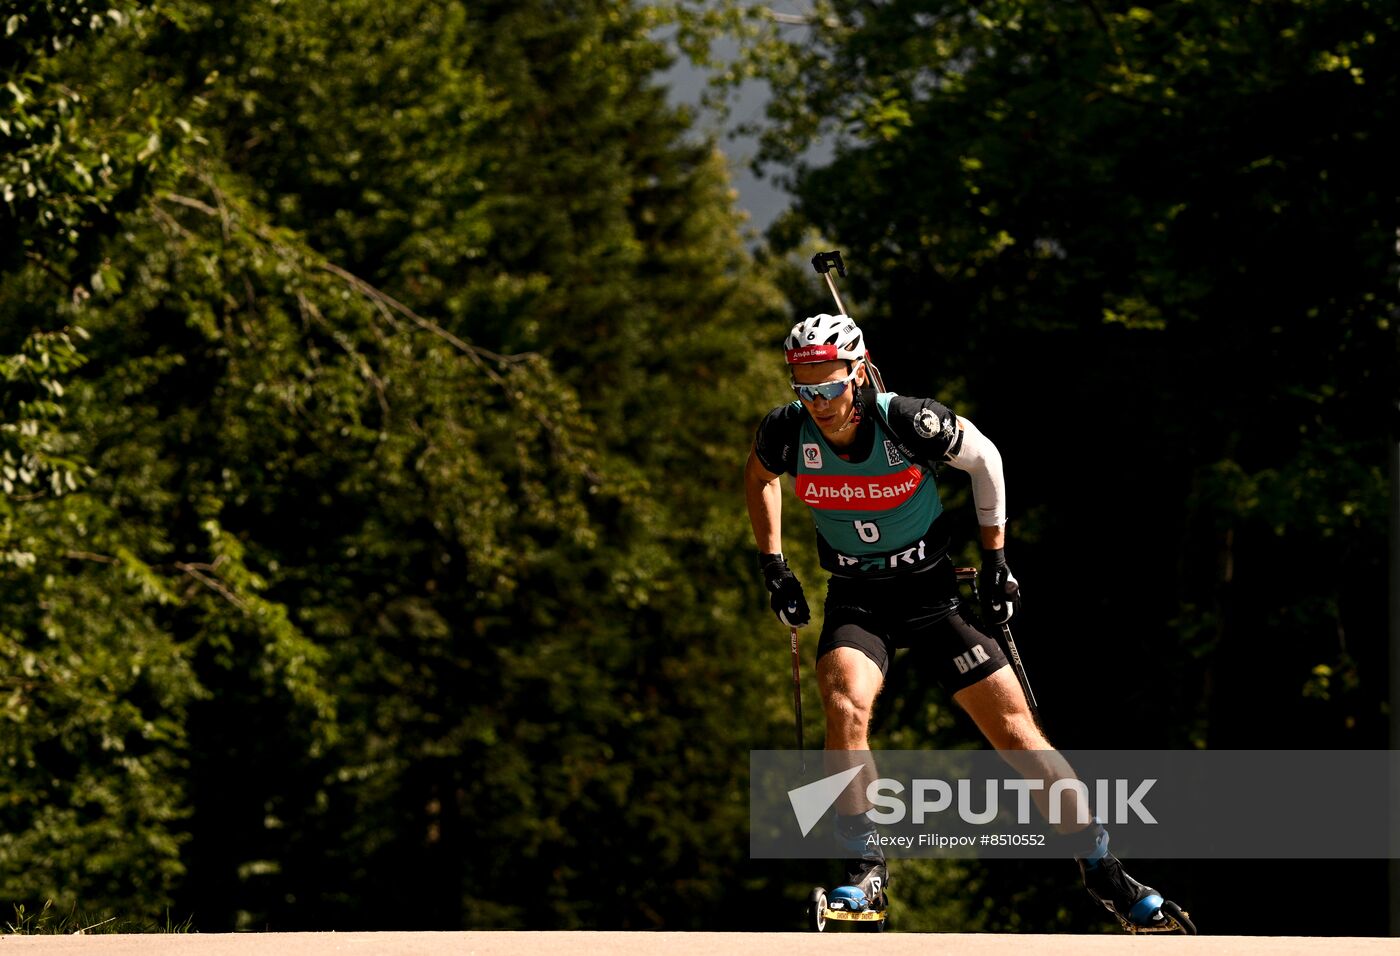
1139,908
867,874
862,900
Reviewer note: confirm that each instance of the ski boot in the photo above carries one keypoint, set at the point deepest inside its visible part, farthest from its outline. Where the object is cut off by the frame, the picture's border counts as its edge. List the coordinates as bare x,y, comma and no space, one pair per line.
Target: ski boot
863,899
1139,908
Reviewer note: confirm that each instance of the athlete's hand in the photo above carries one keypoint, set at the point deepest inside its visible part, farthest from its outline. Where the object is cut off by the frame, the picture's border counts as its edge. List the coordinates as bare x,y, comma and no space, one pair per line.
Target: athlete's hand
997,587
784,591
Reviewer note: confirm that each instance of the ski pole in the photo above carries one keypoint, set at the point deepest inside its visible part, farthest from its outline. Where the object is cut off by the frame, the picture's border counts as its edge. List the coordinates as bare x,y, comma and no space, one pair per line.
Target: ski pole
1019,668
824,262
797,698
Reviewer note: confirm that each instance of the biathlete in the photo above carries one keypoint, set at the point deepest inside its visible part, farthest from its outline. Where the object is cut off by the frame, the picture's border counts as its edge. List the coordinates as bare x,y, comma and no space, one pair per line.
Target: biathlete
863,460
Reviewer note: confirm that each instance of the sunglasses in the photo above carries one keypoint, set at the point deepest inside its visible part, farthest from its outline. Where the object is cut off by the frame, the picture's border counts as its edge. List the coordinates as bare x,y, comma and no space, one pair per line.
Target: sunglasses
827,390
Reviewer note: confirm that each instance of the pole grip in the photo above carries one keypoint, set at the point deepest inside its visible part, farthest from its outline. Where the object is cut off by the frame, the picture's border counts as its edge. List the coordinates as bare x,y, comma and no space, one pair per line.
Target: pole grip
824,262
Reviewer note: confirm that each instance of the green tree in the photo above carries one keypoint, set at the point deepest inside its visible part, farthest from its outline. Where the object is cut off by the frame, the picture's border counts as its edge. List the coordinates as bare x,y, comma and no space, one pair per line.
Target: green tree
561,211
417,393
93,690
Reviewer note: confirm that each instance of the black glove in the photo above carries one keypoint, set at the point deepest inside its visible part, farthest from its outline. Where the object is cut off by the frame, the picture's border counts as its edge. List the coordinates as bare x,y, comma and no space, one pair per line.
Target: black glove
997,588
784,591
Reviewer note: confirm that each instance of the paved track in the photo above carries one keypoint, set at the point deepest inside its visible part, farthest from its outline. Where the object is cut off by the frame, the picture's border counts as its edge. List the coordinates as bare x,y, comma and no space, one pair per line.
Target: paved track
676,944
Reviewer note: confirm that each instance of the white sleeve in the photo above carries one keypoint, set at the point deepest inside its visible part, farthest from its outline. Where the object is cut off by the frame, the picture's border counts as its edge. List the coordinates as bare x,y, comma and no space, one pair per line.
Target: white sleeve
981,460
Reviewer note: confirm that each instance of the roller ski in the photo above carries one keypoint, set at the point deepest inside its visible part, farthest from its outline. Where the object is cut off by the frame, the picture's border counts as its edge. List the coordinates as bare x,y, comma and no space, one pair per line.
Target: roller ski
863,902
1139,908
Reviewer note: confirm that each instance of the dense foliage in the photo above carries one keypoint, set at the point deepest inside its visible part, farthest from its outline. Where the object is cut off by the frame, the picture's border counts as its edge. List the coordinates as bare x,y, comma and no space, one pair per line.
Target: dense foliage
367,566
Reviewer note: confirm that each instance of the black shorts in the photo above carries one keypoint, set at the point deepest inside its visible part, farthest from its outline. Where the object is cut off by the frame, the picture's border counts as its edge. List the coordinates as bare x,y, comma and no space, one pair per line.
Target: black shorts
918,611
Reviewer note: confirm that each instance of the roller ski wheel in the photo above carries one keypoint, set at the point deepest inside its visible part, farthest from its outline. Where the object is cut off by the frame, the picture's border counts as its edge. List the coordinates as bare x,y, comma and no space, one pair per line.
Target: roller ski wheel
816,910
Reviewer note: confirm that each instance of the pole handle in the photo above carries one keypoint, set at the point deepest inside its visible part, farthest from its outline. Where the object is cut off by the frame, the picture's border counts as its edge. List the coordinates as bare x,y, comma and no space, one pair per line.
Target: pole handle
824,262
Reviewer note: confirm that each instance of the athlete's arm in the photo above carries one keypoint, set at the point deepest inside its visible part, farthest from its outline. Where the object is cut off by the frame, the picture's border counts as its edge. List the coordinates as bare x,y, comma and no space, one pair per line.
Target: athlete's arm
993,537
773,452
980,459
764,495
997,586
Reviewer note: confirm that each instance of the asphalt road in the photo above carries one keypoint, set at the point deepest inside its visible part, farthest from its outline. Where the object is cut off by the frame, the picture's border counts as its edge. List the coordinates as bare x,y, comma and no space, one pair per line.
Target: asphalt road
676,944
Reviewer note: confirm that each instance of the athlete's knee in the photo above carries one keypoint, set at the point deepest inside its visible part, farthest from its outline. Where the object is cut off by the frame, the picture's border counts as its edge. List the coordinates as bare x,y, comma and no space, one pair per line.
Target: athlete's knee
847,718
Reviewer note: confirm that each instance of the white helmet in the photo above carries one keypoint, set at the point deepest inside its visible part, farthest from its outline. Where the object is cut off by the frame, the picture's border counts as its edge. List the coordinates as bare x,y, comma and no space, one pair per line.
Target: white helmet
824,338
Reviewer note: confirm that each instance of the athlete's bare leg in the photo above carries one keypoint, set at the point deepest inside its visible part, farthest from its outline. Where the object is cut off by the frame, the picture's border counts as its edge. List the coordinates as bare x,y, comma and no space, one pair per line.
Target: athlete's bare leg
849,683
998,706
